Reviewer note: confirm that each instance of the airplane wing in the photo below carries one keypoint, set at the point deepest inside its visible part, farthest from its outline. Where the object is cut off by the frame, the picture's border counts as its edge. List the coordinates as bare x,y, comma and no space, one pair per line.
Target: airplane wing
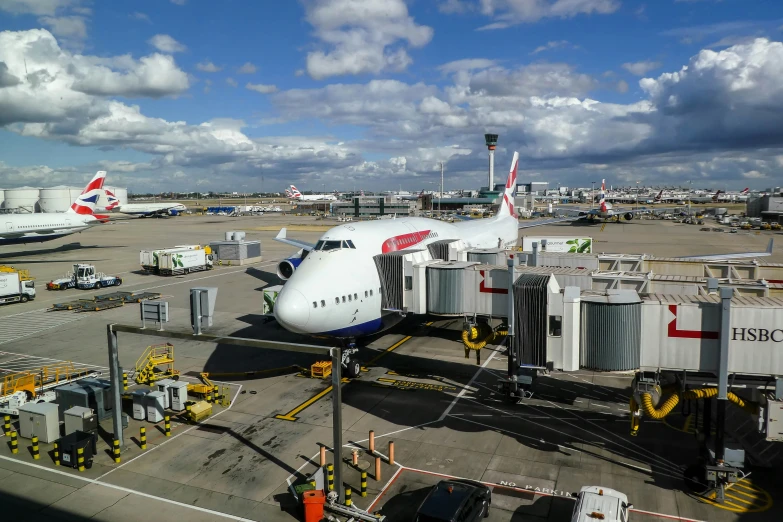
282,237
737,255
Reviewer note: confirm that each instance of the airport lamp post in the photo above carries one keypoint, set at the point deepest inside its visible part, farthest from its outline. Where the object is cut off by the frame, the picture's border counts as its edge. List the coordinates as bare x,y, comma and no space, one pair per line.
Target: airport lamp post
441,186
637,195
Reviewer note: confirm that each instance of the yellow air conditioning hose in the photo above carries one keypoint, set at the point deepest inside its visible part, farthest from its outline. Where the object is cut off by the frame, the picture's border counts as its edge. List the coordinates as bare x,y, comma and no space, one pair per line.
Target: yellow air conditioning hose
477,337
705,393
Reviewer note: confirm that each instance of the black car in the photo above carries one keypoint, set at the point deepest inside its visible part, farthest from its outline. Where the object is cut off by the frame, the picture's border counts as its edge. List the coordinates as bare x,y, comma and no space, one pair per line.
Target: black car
455,501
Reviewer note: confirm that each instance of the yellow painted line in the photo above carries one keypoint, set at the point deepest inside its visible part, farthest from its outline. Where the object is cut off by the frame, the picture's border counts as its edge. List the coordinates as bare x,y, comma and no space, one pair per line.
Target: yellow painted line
748,487
290,416
736,492
750,503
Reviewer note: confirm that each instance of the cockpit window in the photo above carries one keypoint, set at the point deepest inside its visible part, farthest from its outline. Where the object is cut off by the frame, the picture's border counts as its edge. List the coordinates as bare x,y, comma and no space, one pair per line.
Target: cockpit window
350,244
328,245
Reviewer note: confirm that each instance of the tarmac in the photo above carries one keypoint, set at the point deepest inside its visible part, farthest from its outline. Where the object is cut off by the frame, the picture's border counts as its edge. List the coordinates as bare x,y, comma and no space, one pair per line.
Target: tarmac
441,410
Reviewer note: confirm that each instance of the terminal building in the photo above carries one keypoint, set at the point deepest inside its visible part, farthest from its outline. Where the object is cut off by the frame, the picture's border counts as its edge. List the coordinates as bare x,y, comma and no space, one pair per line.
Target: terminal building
768,208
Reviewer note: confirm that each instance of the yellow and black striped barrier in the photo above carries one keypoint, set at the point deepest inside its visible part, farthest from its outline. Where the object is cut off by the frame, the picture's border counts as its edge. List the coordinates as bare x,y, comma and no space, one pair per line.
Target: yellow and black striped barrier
348,496
167,425
36,450
80,458
364,483
56,454
208,398
330,476
7,425
116,451
14,443
143,438
125,381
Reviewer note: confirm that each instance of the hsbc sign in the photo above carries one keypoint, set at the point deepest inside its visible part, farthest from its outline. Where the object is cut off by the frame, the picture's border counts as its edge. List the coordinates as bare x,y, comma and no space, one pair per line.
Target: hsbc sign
761,335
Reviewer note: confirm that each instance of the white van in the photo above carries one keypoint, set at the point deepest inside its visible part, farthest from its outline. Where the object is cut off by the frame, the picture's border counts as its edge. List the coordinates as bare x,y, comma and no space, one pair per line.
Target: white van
598,503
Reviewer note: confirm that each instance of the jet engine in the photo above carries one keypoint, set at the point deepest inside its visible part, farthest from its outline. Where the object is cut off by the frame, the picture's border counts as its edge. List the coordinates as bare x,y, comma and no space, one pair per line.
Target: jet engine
173,212
286,267
628,216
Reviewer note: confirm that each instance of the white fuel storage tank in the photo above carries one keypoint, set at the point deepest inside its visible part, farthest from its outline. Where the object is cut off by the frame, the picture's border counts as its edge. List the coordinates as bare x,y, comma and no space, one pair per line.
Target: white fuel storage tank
22,199
55,199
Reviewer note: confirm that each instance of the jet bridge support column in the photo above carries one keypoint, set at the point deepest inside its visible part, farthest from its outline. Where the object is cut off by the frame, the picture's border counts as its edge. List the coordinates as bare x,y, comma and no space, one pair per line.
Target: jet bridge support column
513,357
337,421
115,377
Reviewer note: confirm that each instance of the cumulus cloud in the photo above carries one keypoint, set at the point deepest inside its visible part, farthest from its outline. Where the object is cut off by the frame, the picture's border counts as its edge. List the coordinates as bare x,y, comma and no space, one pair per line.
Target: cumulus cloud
550,45
68,27
362,36
140,16
641,68
507,13
622,86
262,88
36,7
716,119
6,78
468,64
455,6
232,82
247,68
179,2
166,44
208,66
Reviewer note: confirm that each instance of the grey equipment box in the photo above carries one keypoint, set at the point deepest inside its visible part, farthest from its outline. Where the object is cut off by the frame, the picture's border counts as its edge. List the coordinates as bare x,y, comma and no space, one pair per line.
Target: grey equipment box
178,395
80,418
163,386
139,404
155,406
85,395
39,419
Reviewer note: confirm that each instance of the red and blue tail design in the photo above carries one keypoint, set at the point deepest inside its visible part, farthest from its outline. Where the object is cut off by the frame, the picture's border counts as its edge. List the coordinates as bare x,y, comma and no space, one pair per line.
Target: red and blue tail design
85,203
112,201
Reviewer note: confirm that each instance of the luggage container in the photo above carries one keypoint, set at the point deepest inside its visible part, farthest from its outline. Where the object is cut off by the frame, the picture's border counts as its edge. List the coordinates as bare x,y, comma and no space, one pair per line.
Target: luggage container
163,386
41,420
139,411
178,395
71,443
200,410
79,418
155,402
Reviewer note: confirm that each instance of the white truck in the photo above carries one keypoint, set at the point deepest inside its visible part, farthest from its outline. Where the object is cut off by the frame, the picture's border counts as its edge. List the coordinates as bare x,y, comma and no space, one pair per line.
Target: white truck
84,277
15,289
149,259
559,244
184,261
600,503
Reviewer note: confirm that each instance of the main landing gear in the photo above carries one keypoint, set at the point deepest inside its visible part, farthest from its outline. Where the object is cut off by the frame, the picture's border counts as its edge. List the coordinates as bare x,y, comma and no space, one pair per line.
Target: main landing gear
350,362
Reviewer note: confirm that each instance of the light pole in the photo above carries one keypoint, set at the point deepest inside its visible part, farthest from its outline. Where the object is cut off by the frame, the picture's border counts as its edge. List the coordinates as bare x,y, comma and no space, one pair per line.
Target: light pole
637,195
441,186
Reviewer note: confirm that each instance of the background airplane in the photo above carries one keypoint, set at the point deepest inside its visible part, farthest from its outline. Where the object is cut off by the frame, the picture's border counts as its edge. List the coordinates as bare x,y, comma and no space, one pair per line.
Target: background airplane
295,194
37,228
143,209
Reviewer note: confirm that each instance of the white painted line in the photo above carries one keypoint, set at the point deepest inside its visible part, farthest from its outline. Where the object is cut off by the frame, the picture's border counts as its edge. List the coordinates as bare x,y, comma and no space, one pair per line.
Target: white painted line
127,490
464,390
385,487
600,406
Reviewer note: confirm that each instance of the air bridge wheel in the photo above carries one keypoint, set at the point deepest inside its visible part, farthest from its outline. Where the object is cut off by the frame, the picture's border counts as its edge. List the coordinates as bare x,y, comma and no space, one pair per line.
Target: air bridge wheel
353,368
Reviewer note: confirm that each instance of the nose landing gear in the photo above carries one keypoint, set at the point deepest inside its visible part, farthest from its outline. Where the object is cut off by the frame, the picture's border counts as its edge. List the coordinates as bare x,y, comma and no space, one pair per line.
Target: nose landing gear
351,363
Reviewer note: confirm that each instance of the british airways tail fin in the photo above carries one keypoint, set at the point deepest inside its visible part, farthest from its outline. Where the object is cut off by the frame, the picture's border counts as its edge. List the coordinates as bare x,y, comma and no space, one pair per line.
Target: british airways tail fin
507,204
112,201
85,203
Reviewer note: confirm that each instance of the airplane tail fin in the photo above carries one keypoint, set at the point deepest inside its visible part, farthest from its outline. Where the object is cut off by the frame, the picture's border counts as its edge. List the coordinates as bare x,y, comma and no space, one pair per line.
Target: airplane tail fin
112,201
745,191
602,203
715,197
85,203
295,193
507,205
659,196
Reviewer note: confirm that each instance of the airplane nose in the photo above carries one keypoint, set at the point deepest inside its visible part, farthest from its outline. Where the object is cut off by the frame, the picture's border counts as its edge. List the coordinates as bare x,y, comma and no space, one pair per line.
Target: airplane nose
292,309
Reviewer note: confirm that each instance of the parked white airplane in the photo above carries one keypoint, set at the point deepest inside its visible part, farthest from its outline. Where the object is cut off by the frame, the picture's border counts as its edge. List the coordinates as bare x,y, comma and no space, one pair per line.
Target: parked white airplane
143,209
295,194
37,228
333,287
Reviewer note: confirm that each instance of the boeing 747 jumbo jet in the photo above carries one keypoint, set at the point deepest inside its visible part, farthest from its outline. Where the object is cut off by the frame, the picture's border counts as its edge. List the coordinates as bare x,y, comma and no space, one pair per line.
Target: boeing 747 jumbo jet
333,287
143,209
298,196
37,228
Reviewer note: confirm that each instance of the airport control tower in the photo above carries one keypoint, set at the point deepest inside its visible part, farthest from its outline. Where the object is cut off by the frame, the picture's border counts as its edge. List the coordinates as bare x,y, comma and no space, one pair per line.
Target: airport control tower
492,141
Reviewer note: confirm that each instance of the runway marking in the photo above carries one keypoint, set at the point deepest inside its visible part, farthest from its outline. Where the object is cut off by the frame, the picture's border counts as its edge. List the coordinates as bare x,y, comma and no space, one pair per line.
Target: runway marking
291,415
745,498
413,385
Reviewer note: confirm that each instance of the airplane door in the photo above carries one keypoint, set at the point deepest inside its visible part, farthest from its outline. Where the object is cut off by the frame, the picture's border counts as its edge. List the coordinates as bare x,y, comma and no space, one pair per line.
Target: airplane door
9,227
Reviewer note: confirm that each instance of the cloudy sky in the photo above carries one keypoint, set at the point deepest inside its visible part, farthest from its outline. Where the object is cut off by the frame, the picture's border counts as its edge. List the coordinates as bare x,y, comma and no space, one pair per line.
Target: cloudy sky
340,94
